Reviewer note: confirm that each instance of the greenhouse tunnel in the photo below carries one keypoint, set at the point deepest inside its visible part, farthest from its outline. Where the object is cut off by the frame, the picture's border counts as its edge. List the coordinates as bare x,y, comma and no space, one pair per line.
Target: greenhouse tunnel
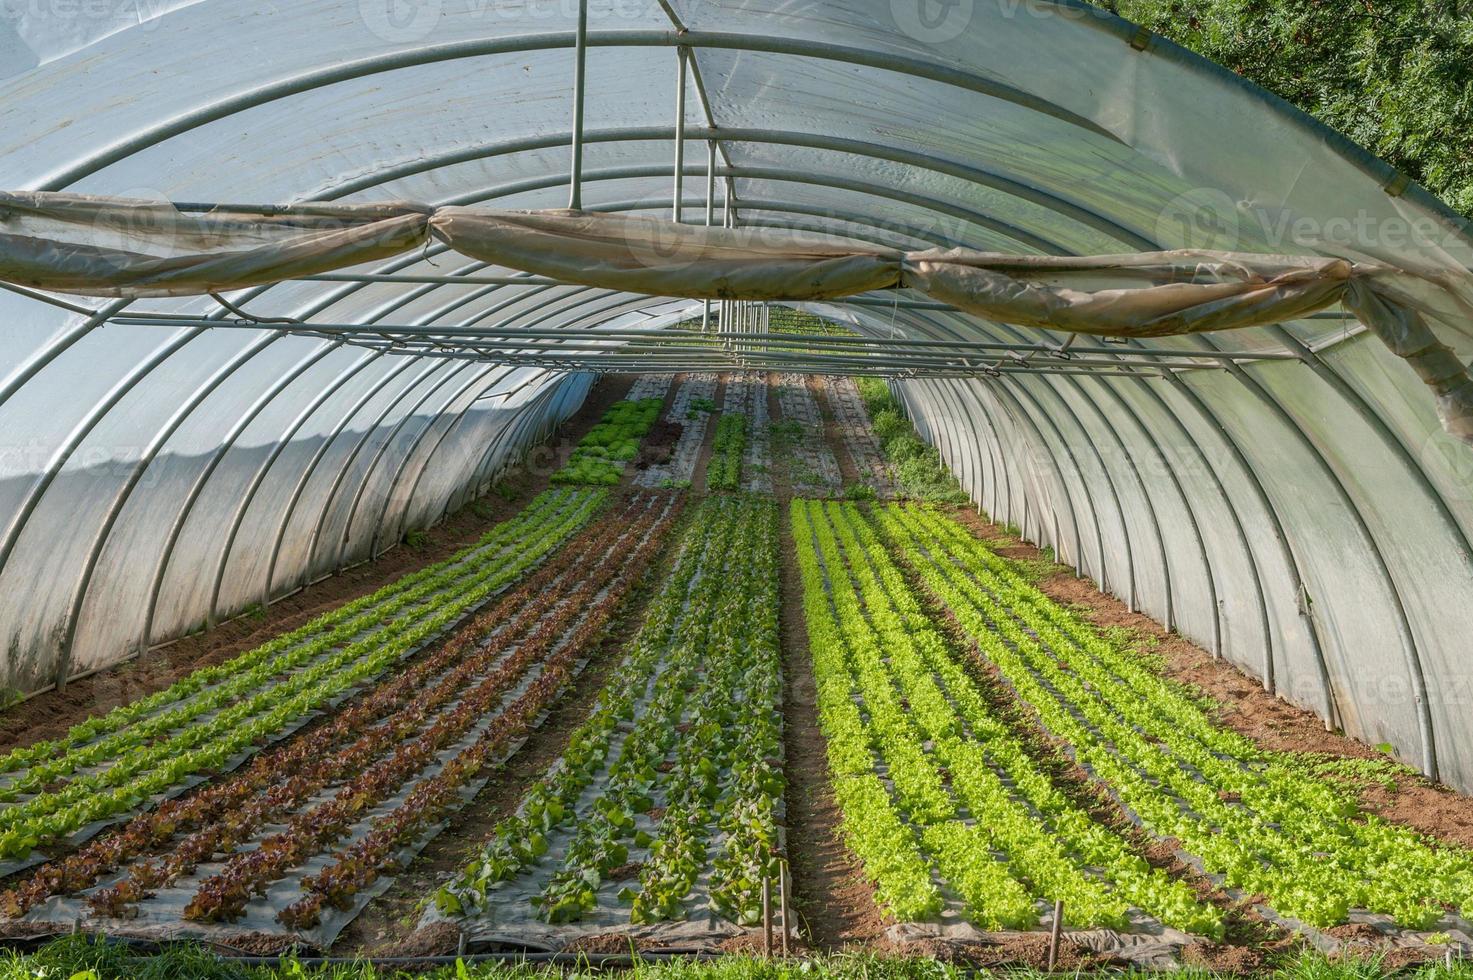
1285,496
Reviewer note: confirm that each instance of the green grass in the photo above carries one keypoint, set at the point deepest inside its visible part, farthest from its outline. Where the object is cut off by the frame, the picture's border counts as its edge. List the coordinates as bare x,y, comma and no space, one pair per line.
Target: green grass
80,958
917,466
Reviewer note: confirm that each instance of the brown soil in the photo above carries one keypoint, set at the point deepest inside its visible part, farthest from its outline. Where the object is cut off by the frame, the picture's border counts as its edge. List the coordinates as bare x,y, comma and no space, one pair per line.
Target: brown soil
1000,950
608,942
753,944
834,902
388,924
658,446
848,469
50,714
1242,703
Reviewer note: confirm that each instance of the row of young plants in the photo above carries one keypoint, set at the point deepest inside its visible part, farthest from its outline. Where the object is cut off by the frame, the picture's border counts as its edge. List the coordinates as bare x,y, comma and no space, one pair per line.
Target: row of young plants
1262,823
599,457
350,614
725,469
977,807
125,769
380,735
680,757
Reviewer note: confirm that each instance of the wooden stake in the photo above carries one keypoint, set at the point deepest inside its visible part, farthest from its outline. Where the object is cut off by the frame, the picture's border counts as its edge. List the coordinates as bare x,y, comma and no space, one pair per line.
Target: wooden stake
766,915
1053,934
782,897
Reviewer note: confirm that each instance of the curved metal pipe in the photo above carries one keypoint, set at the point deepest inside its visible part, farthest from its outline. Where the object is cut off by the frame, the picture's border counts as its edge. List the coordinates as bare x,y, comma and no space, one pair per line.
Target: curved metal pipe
124,493
259,477
203,477
311,468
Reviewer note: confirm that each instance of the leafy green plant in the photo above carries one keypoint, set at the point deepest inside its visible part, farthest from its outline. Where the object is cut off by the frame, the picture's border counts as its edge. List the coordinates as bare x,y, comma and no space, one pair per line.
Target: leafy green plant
598,458
1266,825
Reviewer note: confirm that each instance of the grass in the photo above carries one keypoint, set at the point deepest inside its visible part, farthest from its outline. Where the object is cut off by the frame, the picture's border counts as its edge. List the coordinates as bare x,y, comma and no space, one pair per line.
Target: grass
917,466
82,958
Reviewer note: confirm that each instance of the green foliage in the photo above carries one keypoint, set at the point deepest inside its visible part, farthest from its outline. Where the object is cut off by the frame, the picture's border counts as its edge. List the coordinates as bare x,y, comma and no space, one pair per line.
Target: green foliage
919,472
598,459
416,539
1267,824
725,470
859,491
1396,76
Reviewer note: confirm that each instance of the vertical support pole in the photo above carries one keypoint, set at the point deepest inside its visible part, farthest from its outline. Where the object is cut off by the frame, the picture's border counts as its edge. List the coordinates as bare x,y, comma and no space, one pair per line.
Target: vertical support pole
782,896
580,57
680,56
710,214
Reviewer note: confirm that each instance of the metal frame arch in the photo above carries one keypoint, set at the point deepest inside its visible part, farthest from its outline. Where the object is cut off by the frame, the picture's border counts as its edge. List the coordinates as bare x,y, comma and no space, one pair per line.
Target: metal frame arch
431,366
1023,389
975,469
414,444
82,429
402,521
1290,557
306,477
485,47
197,487
1227,501
455,368
1132,577
1002,489
1020,411
348,372
1188,505
120,499
1013,187
509,435
1415,669
1327,373
1076,385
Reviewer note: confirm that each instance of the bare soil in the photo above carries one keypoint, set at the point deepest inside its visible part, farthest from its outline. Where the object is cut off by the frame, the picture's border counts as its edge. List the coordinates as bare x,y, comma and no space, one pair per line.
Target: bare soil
848,469
1242,703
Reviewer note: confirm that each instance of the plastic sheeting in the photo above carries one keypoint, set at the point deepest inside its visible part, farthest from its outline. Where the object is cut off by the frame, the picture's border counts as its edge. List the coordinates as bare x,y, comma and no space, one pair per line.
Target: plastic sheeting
1307,516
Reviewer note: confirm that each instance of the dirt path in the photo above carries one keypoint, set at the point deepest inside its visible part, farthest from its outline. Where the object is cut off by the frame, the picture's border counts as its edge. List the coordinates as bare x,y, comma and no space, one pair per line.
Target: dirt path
835,901
387,926
50,714
848,469
1243,705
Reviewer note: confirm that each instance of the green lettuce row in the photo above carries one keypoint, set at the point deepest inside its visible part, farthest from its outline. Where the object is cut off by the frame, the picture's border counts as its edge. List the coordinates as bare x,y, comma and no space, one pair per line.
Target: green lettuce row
1305,853
940,686
520,840
145,770
886,844
1315,812
266,660
732,729
725,469
889,673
